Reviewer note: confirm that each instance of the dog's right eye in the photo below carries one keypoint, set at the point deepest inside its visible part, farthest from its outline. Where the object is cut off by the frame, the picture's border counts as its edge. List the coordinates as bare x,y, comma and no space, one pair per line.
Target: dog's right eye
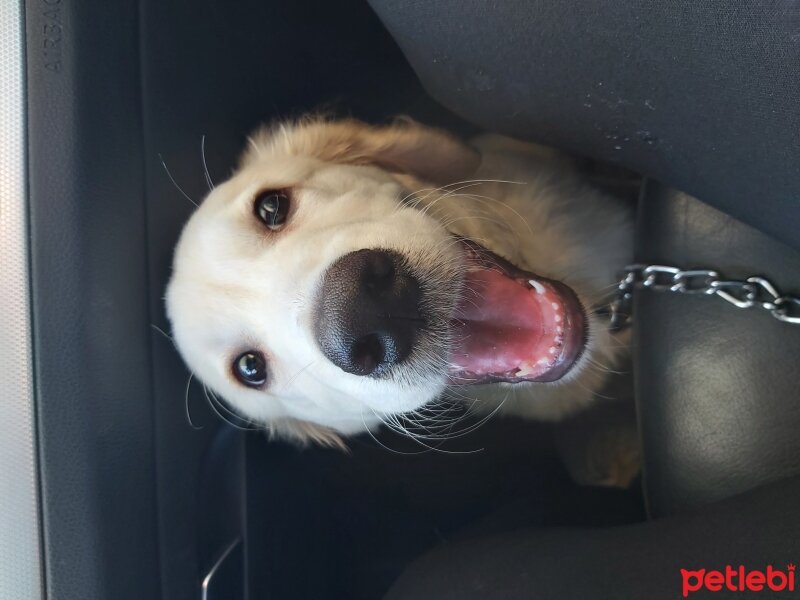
250,368
272,207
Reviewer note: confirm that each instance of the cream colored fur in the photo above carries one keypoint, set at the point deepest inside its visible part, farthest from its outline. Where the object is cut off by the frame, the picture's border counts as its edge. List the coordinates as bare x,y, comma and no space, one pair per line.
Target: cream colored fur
237,287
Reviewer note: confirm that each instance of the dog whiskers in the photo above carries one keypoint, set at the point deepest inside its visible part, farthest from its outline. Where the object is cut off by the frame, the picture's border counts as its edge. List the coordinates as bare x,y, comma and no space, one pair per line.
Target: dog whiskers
435,424
188,381
416,438
501,204
217,405
205,165
448,194
381,444
175,183
593,393
162,332
603,368
186,404
291,380
492,216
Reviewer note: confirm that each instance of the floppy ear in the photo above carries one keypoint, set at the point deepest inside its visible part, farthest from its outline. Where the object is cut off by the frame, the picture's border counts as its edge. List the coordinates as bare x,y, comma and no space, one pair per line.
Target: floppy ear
404,147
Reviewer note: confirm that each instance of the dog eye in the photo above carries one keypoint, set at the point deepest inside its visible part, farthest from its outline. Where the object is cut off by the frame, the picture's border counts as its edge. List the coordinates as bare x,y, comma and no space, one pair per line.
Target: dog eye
250,368
271,207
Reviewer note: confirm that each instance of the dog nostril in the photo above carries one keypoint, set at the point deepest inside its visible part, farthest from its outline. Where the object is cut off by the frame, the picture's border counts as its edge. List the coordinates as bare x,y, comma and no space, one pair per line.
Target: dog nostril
367,353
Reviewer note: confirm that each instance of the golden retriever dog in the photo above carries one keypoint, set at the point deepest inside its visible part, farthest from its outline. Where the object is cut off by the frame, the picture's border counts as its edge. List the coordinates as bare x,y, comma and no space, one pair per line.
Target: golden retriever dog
347,275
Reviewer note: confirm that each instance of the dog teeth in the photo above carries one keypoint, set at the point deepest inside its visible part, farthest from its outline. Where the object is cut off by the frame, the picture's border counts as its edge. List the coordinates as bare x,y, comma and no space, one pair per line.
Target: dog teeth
543,361
525,368
537,286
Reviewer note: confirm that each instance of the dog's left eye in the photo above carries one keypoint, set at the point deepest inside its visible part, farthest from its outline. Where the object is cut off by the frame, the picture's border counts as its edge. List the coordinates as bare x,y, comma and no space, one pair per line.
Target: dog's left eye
250,368
272,207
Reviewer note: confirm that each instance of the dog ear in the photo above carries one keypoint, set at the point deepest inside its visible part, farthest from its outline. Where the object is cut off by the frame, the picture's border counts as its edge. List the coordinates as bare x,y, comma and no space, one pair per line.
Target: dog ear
405,147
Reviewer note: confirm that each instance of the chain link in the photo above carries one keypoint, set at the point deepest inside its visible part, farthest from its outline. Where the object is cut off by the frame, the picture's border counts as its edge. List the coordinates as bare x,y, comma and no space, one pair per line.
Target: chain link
752,292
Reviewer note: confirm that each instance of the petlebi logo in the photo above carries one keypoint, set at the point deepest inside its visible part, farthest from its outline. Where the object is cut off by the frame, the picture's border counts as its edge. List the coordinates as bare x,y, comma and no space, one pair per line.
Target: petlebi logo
739,579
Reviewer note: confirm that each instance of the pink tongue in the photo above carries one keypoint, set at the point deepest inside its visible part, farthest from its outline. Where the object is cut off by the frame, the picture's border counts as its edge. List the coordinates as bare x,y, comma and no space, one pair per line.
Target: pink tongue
500,326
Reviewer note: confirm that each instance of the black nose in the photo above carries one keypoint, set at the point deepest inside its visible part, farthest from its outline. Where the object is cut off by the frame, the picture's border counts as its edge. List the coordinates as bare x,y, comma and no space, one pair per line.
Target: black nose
368,312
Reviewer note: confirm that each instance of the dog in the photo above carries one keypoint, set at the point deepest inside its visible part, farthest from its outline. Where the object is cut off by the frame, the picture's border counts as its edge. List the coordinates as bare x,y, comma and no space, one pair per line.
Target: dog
349,274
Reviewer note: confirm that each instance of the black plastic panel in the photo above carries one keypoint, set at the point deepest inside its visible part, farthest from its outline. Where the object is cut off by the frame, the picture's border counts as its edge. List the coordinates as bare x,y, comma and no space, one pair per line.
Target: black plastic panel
90,300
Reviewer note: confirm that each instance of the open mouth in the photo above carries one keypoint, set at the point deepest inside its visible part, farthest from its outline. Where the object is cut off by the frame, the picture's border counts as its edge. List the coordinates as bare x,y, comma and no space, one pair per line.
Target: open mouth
513,326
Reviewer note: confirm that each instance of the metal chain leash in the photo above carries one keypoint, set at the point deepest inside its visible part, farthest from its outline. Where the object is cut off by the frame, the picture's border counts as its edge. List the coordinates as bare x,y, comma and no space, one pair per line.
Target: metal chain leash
753,291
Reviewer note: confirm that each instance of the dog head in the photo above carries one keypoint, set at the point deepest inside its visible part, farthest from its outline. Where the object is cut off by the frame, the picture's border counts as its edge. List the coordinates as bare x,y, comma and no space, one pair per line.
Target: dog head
311,295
